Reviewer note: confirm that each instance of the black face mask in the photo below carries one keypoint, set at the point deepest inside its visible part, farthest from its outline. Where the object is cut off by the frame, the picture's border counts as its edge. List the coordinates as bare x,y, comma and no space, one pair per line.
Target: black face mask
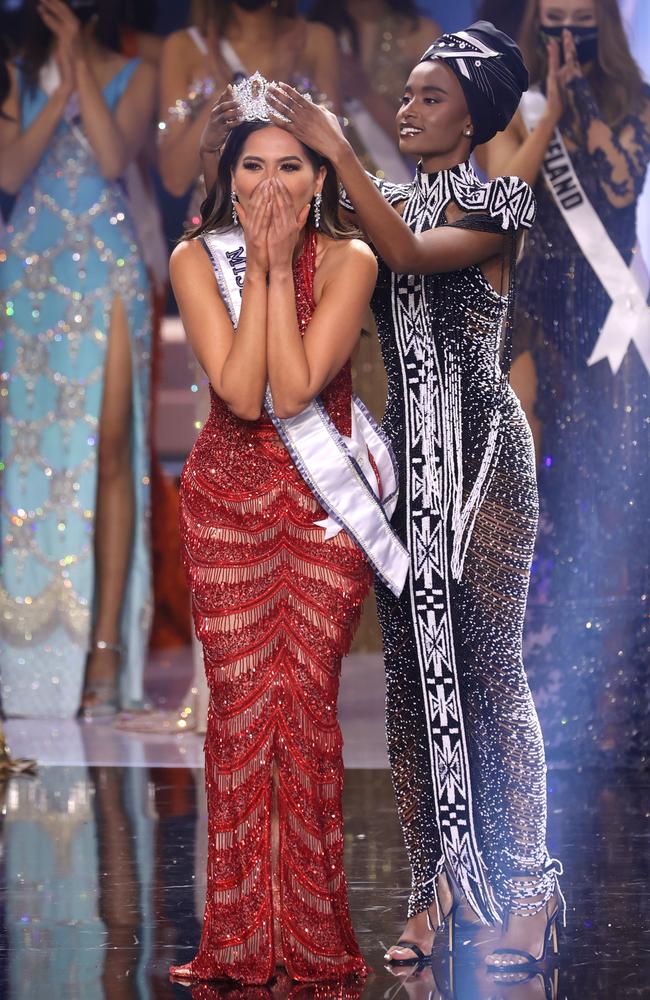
251,5
586,41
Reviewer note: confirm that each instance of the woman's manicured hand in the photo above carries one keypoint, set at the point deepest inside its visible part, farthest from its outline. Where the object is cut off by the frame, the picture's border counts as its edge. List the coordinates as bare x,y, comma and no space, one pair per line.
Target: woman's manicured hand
313,125
225,115
571,69
255,223
284,228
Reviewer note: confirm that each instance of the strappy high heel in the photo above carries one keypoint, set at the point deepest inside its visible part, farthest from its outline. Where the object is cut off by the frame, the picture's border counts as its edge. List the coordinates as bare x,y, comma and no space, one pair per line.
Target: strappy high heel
105,691
498,959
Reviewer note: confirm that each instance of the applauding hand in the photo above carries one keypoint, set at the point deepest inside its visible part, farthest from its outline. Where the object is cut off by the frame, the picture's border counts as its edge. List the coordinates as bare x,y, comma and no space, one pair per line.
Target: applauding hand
63,24
560,77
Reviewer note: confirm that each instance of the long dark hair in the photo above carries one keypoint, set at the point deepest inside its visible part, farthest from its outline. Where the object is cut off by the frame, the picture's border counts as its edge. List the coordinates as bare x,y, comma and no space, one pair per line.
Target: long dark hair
336,15
616,80
219,12
216,210
37,37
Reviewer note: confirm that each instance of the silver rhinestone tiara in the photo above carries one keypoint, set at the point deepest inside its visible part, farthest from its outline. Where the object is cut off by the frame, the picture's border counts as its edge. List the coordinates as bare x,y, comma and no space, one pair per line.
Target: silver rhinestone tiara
250,94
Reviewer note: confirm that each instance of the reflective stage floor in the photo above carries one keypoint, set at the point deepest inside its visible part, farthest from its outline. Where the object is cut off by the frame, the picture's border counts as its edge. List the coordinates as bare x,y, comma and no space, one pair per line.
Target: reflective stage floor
103,859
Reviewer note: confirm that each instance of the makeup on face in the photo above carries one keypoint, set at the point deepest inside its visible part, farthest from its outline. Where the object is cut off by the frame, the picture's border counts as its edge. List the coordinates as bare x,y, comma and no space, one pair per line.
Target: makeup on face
271,152
433,112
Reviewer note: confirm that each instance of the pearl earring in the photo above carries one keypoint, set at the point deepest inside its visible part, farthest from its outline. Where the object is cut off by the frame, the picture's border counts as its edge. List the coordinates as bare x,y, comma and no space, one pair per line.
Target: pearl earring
318,198
235,217
468,132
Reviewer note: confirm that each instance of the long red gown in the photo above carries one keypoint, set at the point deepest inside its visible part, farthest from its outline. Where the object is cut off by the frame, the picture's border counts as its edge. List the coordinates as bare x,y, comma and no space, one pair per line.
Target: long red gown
275,607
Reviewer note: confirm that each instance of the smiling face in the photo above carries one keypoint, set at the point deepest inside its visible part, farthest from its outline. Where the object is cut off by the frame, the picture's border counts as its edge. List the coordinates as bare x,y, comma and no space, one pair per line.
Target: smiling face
433,118
567,13
272,152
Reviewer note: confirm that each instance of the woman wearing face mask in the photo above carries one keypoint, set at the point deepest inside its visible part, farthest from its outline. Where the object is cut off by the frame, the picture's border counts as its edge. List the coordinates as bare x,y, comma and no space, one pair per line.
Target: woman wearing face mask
277,587
582,340
464,742
75,361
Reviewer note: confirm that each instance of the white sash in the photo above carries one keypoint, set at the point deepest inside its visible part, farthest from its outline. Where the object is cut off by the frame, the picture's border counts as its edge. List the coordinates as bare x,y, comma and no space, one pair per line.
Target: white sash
628,320
336,468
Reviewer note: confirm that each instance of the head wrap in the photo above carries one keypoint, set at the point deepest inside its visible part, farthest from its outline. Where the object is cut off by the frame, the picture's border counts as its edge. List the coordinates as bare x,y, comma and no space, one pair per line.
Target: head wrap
491,71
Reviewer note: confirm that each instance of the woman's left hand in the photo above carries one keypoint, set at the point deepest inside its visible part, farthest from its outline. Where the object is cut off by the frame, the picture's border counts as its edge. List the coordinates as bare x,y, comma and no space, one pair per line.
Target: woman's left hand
284,228
571,68
315,126
62,22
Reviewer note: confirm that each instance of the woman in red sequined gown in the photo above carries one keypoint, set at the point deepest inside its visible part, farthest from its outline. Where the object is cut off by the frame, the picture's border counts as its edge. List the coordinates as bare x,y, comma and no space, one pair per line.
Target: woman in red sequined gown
275,604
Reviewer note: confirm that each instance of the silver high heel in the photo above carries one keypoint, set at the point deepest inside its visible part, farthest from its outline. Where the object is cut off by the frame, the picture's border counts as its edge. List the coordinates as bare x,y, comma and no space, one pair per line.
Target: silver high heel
105,692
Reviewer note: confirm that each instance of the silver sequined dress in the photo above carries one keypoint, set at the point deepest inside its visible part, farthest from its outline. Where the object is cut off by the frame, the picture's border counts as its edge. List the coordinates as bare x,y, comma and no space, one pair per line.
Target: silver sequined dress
464,741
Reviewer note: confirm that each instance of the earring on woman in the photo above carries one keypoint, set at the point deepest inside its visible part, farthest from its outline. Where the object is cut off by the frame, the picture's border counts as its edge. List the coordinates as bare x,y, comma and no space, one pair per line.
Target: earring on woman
235,217
318,198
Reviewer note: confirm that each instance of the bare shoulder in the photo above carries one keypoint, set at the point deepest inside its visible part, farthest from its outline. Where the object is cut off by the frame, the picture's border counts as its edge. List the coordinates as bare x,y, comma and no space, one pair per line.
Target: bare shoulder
179,43
188,261
146,73
180,51
318,35
349,258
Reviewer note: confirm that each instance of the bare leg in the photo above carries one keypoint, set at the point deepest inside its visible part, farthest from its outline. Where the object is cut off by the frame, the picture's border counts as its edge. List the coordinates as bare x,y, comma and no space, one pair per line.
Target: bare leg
114,514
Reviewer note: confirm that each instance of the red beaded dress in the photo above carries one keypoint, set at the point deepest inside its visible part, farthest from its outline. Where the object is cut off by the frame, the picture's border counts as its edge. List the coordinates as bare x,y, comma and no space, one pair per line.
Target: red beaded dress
276,607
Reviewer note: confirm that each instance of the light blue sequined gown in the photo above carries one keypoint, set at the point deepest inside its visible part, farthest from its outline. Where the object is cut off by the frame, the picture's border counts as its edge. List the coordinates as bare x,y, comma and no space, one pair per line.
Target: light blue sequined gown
71,252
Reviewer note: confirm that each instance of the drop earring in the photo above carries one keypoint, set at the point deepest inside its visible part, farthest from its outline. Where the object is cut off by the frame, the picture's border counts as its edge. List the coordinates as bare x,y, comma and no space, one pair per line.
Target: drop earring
318,198
235,217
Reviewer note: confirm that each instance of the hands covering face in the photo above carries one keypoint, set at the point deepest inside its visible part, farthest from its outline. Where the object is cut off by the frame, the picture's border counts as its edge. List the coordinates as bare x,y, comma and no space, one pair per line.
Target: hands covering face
271,225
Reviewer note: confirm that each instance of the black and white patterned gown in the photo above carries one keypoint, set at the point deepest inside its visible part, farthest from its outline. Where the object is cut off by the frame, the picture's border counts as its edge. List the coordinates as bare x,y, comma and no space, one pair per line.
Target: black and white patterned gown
464,741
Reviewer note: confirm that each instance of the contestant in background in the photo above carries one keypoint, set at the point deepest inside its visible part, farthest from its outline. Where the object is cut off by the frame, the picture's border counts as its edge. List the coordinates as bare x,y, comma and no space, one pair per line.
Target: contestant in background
582,372
380,40
228,41
464,743
277,589
75,598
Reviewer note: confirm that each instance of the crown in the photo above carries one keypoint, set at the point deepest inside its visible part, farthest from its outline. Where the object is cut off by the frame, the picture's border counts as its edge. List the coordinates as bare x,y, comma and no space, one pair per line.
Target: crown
250,94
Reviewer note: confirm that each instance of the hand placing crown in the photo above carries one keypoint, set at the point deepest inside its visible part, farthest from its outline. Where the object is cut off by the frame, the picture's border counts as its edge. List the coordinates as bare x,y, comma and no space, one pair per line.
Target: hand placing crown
250,94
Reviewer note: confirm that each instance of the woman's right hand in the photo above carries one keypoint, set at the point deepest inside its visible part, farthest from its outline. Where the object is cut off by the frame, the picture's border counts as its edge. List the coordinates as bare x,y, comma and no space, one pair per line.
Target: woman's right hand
224,117
255,221
68,77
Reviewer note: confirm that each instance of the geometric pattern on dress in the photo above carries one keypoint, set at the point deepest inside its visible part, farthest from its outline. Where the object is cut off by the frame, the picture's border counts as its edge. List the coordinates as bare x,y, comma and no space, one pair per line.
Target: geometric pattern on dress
429,507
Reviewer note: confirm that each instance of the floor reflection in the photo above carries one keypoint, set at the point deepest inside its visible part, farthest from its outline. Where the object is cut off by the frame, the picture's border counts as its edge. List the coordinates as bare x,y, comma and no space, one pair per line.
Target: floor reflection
102,880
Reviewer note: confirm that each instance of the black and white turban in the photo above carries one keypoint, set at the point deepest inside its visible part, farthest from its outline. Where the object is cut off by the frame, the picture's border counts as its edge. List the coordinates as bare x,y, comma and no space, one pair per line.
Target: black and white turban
491,71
